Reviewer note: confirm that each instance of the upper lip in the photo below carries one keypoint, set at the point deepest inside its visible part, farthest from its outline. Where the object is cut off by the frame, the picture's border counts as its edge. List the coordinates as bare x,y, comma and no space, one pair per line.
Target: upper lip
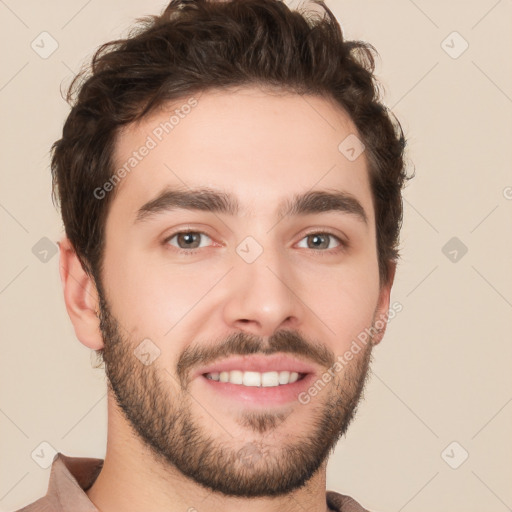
257,363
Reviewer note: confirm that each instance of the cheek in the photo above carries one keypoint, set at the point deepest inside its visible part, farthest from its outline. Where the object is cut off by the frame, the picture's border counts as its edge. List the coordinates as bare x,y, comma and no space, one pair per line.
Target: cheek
344,300
153,298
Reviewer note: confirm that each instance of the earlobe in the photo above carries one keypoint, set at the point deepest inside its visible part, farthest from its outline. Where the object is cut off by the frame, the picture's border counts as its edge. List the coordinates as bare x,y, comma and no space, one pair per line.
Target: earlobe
80,296
381,314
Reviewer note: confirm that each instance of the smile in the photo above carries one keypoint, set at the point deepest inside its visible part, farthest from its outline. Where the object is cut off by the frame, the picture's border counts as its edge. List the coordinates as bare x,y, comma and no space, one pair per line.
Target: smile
255,379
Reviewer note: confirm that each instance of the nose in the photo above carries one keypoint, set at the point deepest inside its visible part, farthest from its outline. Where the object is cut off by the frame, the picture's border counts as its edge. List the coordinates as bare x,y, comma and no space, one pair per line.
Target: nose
263,296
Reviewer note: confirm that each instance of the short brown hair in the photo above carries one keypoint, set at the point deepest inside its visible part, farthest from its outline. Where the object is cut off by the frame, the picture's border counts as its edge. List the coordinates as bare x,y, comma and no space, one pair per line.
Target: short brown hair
197,45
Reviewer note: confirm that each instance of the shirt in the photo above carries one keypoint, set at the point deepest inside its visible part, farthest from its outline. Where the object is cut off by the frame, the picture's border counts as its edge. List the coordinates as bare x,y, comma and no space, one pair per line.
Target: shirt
70,477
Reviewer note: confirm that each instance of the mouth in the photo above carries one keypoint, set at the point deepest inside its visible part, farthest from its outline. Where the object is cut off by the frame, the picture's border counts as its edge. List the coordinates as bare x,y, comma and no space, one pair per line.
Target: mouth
256,380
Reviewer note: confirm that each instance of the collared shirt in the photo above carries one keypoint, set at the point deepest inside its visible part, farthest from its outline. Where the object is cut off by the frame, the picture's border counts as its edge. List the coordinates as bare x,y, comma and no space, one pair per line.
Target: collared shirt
70,477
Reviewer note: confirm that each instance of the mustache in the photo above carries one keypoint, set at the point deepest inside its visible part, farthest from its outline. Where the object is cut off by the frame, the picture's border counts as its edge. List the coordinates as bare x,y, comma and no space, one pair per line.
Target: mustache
242,344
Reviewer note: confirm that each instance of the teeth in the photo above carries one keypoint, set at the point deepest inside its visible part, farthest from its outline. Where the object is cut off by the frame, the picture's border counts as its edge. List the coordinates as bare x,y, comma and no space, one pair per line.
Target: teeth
255,379
252,379
270,379
284,377
236,377
294,376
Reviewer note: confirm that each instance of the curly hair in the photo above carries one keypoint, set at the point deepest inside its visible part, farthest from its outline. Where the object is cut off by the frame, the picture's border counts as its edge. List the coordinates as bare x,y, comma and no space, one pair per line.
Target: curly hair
199,45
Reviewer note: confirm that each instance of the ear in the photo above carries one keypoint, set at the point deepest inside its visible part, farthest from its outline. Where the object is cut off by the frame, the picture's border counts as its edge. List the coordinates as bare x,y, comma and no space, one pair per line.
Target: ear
80,296
382,311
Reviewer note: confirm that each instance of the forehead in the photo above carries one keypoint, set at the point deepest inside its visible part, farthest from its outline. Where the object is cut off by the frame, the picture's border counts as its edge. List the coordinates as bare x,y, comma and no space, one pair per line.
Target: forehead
261,146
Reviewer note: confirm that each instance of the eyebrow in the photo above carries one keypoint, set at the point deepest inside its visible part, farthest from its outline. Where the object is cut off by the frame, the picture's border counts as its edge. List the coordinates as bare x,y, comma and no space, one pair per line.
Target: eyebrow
206,199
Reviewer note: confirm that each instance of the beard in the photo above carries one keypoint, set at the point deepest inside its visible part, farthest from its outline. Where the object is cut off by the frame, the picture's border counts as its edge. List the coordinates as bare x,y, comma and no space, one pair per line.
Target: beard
181,439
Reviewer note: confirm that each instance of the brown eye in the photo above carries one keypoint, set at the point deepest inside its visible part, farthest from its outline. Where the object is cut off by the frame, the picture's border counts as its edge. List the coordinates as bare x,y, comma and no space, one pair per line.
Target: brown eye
187,239
318,241
321,241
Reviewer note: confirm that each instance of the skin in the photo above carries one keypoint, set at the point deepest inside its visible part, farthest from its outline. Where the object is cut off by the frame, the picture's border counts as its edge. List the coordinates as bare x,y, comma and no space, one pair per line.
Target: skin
263,148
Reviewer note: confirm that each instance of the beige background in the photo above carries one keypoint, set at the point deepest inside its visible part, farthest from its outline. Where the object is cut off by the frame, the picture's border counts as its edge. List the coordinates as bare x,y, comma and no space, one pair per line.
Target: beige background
442,373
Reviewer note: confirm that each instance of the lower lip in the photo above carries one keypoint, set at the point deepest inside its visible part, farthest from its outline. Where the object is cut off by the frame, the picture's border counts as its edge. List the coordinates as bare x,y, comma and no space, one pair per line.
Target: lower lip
267,396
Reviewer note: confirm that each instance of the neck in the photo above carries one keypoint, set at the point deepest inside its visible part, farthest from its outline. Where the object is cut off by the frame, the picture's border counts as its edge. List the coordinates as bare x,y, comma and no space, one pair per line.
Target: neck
132,479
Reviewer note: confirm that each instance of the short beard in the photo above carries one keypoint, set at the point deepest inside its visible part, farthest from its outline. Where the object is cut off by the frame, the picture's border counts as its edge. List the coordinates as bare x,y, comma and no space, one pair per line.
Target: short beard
166,425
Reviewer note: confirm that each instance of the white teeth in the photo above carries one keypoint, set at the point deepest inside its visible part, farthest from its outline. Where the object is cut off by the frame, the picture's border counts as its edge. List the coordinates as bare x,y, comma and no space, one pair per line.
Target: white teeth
284,377
294,376
236,377
270,379
255,379
252,379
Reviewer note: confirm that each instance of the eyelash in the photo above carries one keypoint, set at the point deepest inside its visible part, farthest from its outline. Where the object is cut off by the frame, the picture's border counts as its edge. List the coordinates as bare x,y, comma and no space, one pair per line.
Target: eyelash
343,246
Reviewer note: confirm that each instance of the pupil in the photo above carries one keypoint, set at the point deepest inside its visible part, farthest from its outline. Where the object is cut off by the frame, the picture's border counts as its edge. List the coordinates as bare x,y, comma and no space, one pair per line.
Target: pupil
317,240
188,238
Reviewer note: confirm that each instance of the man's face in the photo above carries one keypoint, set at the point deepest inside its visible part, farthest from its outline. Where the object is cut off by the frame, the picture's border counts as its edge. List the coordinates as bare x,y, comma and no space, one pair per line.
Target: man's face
212,335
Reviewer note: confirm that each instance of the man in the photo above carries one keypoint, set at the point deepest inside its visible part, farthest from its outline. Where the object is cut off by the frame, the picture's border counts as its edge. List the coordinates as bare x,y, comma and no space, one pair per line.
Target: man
230,188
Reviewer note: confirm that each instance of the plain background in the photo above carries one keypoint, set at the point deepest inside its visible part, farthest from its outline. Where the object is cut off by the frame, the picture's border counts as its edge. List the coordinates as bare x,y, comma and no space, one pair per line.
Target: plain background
442,373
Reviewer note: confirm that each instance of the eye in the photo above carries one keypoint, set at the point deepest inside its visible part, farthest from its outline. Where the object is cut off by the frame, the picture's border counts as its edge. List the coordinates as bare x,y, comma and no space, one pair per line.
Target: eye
321,241
186,240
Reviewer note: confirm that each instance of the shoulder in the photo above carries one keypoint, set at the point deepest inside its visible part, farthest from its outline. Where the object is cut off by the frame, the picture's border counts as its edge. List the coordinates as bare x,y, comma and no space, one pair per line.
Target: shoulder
340,503
44,504
69,478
